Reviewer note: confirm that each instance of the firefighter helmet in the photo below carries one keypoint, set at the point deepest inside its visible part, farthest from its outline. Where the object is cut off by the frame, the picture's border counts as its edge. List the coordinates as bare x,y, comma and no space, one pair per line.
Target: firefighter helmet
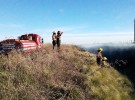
100,49
104,58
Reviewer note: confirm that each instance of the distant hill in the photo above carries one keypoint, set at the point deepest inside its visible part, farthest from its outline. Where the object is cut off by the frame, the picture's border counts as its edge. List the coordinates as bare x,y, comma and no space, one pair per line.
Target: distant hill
70,74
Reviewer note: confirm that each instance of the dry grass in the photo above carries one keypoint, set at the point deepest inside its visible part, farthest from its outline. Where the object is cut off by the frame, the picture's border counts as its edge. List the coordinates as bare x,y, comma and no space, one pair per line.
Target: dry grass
69,74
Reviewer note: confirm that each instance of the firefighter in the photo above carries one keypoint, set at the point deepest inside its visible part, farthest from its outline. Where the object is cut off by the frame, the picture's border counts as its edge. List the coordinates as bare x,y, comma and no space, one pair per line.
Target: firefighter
59,33
99,56
103,61
54,38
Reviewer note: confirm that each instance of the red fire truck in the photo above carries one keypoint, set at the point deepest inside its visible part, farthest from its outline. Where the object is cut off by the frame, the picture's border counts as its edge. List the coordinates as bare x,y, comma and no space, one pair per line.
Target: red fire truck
25,43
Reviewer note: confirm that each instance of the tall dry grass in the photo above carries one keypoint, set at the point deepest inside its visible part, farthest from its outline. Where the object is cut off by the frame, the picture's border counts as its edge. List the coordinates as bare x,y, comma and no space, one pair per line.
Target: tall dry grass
68,74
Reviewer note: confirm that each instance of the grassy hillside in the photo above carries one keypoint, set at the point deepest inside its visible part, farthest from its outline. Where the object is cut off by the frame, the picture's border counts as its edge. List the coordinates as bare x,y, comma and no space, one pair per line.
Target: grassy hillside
70,74
121,56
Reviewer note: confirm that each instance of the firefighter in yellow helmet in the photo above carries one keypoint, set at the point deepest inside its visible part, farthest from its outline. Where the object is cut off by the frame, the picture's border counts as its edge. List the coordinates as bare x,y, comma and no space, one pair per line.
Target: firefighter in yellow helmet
99,56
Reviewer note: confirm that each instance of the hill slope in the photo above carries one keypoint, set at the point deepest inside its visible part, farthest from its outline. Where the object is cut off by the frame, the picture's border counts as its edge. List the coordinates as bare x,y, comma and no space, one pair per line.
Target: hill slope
70,74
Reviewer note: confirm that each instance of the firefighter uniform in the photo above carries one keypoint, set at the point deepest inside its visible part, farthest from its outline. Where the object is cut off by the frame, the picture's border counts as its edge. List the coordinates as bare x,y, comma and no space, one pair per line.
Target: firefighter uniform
99,56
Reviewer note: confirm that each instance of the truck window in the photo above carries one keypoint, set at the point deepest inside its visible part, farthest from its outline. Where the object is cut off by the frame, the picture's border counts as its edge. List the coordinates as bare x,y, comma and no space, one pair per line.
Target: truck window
41,40
30,37
22,37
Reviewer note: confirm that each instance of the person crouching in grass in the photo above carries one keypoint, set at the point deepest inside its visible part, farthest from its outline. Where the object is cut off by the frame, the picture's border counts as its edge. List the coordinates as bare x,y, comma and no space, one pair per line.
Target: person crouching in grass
103,64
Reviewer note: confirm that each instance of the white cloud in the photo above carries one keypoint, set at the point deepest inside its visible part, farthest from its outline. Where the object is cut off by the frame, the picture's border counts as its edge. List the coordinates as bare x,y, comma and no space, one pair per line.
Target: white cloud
88,38
76,35
102,37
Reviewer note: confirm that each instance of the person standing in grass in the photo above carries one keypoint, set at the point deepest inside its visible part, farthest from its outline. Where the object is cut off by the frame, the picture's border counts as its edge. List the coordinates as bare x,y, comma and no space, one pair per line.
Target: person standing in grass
54,39
59,33
99,56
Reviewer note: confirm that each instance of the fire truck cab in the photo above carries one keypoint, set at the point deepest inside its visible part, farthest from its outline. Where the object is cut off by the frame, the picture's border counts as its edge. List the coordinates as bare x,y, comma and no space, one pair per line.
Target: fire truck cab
25,43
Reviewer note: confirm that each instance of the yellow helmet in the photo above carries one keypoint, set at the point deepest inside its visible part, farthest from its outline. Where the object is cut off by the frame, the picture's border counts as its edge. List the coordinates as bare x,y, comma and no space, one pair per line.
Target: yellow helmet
104,58
100,49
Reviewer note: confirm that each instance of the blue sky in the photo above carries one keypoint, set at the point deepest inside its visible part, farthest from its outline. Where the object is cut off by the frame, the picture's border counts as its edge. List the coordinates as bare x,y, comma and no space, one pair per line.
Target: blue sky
82,21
